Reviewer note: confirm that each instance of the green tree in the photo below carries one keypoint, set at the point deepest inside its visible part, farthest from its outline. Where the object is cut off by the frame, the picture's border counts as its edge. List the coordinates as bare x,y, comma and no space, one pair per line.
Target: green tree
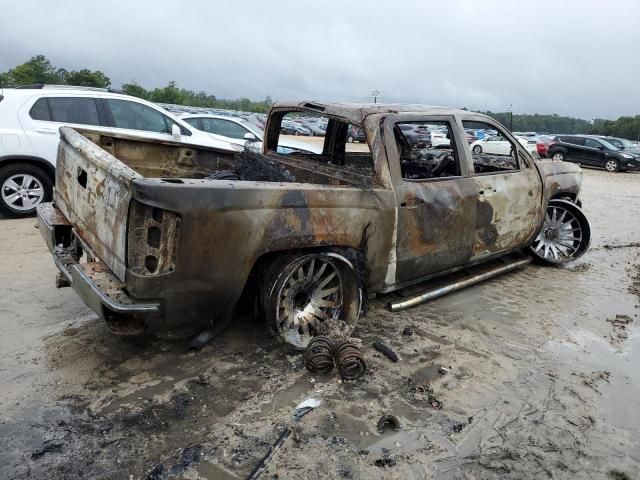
168,94
5,79
135,90
37,70
87,78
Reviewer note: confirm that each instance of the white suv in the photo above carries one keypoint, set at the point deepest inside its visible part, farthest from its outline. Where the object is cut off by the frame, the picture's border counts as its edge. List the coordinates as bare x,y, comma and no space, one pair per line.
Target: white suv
30,119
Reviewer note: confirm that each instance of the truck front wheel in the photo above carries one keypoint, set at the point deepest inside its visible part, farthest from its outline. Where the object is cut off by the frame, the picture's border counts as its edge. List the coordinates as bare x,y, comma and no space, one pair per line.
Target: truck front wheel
565,234
310,294
22,187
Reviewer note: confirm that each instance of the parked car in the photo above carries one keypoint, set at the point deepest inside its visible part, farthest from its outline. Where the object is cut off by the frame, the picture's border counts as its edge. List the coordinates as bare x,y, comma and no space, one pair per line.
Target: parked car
592,151
31,116
316,129
356,134
623,144
294,128
439,138
240,132
306,239
496,144
542,144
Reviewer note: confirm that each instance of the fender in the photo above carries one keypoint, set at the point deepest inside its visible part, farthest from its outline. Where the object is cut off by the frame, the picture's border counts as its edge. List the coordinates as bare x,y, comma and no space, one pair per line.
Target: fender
38,161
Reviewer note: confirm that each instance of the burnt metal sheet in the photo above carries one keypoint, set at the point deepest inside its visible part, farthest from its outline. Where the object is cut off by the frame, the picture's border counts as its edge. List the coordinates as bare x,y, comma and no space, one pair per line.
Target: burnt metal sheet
93,192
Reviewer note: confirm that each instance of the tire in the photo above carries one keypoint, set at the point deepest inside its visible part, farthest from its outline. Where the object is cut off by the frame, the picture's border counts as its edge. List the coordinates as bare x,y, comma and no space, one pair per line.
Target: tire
558,157
350,139
22,187
565,234
477,149
612,165
308,294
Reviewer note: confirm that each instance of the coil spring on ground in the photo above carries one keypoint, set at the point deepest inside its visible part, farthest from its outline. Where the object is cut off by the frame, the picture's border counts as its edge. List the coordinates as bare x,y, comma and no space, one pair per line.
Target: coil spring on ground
318,357
349,360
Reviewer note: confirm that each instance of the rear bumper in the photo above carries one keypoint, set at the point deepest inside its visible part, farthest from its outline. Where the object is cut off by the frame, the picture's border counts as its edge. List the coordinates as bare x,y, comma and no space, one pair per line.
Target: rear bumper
94,283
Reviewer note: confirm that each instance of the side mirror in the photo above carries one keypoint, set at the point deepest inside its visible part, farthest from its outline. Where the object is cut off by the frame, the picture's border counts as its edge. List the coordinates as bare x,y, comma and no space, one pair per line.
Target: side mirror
175,132
601,147
250,137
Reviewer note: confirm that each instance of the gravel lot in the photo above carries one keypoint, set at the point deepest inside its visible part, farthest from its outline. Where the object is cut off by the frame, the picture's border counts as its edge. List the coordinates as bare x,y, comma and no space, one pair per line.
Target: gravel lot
538,373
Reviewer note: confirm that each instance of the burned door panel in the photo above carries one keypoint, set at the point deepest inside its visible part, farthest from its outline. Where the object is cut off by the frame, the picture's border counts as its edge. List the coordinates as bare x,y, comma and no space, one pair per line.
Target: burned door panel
508,210
436,225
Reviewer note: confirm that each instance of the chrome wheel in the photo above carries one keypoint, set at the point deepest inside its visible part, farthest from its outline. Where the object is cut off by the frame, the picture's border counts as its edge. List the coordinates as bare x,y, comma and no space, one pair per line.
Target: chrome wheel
565,234
558,157
22,191
477,149
309,295
611,166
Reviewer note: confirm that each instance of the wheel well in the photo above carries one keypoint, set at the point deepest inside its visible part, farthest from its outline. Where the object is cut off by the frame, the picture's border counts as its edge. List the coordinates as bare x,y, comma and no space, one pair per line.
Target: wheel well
35,161
564,196
356,256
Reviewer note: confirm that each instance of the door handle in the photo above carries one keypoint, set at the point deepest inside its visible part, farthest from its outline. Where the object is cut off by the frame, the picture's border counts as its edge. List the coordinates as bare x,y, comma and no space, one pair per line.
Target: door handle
47,131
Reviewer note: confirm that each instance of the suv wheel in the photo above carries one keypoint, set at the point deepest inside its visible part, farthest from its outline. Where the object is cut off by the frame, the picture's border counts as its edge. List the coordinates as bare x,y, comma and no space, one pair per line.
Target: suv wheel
558,157
22,187
612,165
305,295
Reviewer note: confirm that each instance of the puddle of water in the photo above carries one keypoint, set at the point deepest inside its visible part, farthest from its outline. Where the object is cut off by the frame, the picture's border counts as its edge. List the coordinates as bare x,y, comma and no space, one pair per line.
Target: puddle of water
289,397
620,401
364,436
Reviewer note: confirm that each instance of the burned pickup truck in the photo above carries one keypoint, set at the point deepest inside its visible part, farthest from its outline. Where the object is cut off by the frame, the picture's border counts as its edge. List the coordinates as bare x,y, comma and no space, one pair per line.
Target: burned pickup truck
153,235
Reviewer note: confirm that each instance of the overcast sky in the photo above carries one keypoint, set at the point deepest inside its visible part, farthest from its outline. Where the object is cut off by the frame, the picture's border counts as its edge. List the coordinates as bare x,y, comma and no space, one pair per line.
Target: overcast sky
579,58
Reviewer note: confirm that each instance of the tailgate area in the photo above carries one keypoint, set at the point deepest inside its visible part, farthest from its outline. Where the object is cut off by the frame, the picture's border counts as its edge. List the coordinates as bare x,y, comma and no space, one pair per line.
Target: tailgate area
92,279
93,192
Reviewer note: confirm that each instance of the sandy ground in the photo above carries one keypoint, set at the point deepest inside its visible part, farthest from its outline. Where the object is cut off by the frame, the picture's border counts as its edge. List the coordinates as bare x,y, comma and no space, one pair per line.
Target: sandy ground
538,373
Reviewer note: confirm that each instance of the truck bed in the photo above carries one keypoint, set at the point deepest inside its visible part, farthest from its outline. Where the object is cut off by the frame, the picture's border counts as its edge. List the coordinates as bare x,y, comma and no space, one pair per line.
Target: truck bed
98,173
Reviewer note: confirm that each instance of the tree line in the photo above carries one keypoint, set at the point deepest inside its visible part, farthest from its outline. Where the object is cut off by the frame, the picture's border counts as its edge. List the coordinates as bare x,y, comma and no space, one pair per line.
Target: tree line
38,69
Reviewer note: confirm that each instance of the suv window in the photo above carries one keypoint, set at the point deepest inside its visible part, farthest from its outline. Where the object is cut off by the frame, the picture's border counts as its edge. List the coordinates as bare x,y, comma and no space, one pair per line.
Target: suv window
426,153
591,143
80,110
573,140
194,122
494,154
40,110
225,128
136,116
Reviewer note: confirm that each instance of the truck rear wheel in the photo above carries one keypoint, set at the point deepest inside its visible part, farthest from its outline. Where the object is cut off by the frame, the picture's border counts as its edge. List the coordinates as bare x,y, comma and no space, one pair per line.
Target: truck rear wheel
310,294
22,187
565,234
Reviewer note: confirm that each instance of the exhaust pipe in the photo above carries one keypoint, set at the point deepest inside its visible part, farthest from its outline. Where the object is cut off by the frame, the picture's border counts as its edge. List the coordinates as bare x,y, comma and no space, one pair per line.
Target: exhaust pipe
453,287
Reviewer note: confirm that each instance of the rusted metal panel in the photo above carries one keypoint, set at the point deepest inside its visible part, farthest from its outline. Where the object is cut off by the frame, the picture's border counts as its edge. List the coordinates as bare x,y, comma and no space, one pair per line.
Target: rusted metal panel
93,192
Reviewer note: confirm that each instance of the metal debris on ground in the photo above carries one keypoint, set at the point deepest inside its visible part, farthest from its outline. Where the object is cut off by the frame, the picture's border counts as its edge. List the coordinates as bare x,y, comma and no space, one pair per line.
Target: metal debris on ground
457,427
262,465
385,462
349,360
386,351
388,420
318,357
305,407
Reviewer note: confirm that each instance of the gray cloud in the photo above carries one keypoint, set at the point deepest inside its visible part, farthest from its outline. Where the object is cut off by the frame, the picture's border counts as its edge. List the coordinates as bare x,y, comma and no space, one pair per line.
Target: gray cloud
577,57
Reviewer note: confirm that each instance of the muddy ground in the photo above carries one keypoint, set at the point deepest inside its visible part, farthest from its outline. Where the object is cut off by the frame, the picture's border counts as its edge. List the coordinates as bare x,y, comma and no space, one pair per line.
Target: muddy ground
538,373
